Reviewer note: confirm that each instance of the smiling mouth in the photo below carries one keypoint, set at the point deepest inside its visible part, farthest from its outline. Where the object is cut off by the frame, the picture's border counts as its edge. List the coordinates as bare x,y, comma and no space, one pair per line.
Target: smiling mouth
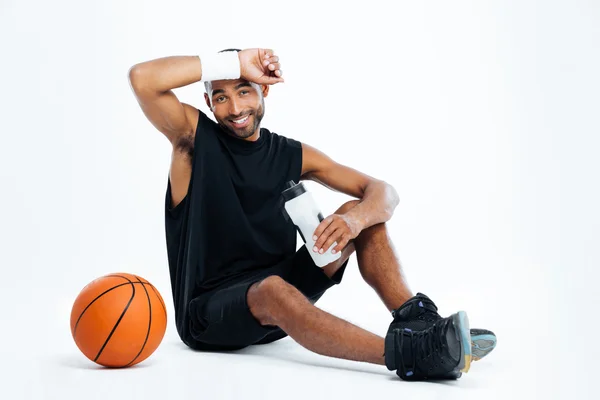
241,120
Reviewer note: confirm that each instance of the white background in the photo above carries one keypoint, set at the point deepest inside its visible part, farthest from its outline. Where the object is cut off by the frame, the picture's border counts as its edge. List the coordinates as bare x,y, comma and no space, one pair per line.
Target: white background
483,116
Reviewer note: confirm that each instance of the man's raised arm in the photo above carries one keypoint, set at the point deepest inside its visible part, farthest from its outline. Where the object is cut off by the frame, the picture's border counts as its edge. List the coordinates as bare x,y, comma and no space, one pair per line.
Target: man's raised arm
153,81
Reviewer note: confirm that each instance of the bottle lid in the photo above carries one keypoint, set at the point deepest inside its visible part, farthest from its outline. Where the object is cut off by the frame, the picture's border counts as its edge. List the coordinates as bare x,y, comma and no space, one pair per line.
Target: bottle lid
292,190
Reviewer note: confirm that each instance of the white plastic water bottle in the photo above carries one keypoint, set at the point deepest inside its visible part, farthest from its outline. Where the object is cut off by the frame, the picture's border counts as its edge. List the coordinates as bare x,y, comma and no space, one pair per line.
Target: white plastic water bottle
306,216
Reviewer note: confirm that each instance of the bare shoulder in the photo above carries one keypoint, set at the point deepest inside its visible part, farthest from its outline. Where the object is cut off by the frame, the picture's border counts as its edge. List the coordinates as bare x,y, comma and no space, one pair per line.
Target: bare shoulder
313,160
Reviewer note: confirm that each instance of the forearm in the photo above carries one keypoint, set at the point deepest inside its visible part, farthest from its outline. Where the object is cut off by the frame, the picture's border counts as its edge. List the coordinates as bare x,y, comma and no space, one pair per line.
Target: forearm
163,74
377,204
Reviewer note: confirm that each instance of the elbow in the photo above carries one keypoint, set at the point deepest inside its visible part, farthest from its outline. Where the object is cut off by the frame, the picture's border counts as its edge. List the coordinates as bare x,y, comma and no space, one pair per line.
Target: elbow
136,77
393,197
396,196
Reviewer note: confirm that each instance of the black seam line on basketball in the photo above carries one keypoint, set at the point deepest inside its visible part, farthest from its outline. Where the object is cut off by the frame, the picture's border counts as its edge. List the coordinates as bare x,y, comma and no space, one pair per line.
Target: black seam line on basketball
146,283
149,323
102,294
118,321
153,289
162,303
92,302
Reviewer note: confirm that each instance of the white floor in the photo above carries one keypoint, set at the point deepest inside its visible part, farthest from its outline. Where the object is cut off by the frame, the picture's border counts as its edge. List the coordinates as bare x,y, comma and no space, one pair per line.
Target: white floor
40,360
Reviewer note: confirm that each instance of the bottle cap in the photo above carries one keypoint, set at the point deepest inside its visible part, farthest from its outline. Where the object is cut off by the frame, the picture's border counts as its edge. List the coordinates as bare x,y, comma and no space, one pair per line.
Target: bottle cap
292,190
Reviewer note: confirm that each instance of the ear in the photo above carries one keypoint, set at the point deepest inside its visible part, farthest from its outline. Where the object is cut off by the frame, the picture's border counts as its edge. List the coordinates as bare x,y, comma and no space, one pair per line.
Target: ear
265,90
207,99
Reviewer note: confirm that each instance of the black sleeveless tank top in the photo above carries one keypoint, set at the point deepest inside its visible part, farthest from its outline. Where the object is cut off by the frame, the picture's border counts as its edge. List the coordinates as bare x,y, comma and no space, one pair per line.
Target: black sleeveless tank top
230,222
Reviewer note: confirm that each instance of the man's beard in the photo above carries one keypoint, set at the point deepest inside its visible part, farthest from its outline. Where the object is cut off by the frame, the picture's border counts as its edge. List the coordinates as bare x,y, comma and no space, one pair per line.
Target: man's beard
256,115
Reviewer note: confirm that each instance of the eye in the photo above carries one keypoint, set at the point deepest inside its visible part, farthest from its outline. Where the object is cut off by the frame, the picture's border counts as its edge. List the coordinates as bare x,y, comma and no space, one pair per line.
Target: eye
220,99
244,92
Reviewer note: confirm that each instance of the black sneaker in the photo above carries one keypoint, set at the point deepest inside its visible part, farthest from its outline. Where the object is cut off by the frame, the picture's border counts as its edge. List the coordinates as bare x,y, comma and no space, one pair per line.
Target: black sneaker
420,312
441,351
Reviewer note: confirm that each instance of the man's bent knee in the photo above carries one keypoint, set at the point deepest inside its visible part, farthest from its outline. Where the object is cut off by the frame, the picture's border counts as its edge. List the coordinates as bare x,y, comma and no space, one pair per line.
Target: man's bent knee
344,208
263,296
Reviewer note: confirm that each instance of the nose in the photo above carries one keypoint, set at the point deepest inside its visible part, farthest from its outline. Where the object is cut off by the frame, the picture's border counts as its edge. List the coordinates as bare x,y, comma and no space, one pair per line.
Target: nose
234,107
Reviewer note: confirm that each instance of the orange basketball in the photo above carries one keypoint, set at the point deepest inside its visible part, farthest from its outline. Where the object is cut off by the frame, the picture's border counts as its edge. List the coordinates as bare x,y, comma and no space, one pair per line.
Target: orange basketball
118,320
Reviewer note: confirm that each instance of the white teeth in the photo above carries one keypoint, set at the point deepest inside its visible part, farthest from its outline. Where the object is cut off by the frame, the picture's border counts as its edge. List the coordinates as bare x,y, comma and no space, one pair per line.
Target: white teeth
241,121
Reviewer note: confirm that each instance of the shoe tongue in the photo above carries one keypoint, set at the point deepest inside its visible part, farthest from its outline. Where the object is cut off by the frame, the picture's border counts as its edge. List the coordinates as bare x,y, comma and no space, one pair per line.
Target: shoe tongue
425,301
415,305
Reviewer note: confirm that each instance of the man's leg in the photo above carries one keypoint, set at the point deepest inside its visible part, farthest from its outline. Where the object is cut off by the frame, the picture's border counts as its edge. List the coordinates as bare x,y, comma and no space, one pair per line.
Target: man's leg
441,354
273,301
377,262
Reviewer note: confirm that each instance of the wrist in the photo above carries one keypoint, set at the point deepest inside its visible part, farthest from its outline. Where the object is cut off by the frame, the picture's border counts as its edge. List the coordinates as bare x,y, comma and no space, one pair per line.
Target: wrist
359,219
224,65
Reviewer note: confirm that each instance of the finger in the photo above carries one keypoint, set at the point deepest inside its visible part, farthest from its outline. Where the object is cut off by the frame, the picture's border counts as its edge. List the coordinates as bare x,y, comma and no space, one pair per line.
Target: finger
341,244
322,226
268,53
325,235
270,60
274,66
335,236
277,74
269,80
319,237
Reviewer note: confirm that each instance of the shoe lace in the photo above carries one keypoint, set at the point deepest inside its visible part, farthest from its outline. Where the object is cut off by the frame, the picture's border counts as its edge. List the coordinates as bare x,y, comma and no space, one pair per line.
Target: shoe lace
425,345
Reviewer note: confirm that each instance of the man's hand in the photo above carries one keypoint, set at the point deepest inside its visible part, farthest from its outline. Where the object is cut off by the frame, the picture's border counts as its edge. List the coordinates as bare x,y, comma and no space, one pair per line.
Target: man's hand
260,66
340,228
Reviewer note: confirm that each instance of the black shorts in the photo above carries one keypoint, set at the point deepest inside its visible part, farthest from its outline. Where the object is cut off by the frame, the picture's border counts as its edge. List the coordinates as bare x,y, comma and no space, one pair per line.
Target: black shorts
221,319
